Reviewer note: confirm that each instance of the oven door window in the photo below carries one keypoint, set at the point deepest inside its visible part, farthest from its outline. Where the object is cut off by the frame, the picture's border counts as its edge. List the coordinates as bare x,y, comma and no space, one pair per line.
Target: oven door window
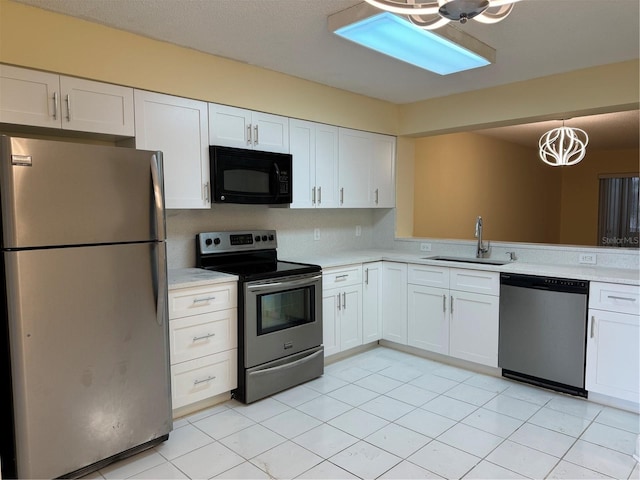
285,309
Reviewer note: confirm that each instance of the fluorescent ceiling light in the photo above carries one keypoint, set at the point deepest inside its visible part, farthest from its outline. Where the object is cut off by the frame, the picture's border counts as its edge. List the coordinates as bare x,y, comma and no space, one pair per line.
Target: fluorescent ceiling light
393,36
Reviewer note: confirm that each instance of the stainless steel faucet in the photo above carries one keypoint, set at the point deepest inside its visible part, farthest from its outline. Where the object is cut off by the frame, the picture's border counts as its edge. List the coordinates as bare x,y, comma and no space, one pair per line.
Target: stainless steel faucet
481,250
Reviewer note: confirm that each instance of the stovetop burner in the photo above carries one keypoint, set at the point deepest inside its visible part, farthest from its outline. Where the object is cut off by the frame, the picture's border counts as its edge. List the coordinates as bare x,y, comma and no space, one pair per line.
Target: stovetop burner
250,254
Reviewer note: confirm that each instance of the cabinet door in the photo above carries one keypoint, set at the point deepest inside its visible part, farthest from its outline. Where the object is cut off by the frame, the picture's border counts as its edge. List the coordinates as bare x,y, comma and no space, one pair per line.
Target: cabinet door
96,107
302,144
270,132
473,330
230,126
383,173
29,97
350,313
372,302
613,349
354,165
394,304
428,318
178,127
330,321
326,166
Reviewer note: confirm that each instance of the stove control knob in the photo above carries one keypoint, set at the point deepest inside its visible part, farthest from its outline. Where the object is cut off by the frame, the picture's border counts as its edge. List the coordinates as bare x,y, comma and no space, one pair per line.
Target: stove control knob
271,238
264,238
257,238
216,241
208,242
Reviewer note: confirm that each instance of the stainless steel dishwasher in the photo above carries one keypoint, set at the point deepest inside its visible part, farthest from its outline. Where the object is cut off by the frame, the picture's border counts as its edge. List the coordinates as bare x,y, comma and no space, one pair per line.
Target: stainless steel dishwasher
543,326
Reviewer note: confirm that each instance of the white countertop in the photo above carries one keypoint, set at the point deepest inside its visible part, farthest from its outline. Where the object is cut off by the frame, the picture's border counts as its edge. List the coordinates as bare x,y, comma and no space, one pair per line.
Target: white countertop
578,272
196,277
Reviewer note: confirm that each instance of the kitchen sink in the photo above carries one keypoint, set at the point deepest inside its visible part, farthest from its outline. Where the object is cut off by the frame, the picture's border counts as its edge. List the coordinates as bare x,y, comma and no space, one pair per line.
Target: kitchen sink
484,261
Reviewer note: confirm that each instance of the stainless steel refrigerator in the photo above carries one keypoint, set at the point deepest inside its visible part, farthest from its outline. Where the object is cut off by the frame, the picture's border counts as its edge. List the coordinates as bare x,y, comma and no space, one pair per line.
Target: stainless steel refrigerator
84,332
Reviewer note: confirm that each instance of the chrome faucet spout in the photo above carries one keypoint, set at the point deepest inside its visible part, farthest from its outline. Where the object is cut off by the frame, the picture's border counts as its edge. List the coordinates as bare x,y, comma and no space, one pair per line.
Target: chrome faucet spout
481,250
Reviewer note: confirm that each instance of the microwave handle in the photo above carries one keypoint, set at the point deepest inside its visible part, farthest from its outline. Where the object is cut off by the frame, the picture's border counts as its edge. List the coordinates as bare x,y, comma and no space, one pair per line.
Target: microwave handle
276,171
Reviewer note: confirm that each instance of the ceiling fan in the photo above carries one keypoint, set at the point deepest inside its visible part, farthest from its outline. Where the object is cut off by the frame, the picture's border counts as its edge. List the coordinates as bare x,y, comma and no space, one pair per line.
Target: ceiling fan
437,13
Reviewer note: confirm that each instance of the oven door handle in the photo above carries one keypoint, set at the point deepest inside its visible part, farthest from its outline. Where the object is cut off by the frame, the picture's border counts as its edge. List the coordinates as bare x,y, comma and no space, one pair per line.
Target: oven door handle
288,365
285,284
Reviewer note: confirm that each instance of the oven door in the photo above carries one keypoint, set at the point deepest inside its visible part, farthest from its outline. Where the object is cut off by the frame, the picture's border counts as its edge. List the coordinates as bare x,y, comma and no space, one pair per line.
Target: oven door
283,316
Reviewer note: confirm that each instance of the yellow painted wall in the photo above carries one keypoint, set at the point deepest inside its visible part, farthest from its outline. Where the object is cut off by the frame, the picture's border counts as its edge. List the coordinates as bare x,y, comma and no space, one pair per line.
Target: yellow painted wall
463,175
36,38
602,89
580,191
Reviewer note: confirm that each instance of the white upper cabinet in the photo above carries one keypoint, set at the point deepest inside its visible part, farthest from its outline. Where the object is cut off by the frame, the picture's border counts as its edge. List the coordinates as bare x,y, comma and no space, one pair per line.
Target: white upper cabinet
366,169
314,147
178,127
40,99
241,128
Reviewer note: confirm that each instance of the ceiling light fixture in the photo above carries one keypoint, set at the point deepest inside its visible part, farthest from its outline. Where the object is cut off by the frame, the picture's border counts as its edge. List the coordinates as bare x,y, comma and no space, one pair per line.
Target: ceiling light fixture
563,146
449,51
437,13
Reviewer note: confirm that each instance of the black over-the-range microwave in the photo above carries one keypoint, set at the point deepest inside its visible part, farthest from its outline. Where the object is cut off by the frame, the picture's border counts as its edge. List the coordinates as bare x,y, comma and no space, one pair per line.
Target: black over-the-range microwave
254,177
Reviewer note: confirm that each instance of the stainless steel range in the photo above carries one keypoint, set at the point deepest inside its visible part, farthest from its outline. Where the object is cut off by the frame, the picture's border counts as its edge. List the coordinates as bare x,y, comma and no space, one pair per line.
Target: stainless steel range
279,311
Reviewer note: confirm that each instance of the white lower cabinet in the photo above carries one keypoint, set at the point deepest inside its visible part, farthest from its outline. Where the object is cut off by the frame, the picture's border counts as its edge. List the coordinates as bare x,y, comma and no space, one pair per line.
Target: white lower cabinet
613,341
203,342
473,327
342,308
394,304
454,311
372,302
428,318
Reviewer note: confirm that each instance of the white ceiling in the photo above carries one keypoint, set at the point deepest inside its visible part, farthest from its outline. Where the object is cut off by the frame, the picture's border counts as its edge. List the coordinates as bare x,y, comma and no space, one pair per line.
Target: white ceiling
539,38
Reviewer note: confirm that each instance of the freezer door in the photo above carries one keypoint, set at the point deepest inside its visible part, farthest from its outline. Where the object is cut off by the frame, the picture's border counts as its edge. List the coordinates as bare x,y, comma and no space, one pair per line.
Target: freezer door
89,349
76,194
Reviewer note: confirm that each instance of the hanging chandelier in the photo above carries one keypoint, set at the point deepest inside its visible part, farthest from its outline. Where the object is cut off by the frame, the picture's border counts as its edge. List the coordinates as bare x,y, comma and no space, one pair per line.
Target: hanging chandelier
437,13
563,146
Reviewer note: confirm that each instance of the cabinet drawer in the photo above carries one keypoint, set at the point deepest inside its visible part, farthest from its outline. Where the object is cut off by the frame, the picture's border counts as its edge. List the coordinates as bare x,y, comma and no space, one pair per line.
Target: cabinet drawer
615,297
202,378
429,276
341,276
475,281
201,335
193,301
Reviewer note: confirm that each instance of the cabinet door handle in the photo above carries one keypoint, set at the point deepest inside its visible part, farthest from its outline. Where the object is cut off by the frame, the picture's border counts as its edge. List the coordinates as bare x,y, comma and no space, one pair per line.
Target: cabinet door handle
452,304
366,276
206,299
339,304
203,337
444,303
344,301
55,105
249,134
68,100
319,195
377,196
626,299
313,196
205,380
255,131
341,195
206,192
593,326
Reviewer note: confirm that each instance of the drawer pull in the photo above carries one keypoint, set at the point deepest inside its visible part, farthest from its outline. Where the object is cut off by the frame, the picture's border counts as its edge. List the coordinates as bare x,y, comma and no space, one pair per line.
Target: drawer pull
626,299
206,380
206,299
341,278
203,337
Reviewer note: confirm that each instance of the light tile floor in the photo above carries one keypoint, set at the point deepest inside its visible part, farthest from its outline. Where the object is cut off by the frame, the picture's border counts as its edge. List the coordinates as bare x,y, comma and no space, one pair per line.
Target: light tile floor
387,414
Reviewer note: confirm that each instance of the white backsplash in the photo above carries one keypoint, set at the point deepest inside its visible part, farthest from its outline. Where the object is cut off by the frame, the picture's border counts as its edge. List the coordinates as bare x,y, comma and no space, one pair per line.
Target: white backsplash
337,233
295,229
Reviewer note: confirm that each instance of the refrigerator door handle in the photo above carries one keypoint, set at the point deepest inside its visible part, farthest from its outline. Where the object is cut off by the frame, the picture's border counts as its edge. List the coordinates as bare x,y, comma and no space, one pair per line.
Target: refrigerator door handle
161,284
156,177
